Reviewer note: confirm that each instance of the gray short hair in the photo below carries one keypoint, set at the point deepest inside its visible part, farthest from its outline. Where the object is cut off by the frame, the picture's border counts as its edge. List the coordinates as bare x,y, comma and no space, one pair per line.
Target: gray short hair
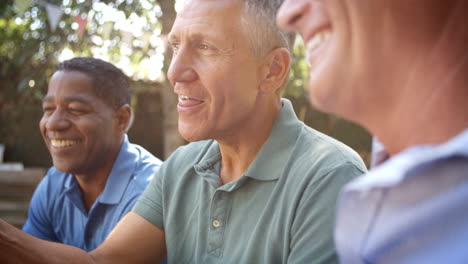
259,21
259,18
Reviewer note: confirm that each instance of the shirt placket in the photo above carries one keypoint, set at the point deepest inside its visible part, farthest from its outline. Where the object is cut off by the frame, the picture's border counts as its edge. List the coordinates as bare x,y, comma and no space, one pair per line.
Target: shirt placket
217,223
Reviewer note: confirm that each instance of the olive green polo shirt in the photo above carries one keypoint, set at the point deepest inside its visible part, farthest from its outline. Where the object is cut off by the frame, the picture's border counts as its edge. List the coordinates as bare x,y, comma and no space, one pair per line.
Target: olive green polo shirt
280,211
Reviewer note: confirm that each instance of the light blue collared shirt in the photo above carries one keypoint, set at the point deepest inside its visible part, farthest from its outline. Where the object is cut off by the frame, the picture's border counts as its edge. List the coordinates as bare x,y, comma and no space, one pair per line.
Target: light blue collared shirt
411,209
57,212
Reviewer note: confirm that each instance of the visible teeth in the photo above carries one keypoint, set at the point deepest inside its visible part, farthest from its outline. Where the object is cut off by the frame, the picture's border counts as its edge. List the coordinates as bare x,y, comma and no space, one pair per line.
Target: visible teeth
184,97
317,39
60,143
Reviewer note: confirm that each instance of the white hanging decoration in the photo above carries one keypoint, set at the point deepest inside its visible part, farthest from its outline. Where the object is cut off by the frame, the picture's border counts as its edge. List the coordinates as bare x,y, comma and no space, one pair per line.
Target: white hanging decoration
54,13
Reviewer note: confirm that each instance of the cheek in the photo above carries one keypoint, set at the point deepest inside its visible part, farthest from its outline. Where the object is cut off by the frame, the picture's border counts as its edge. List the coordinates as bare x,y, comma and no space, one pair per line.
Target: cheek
107,130
42,125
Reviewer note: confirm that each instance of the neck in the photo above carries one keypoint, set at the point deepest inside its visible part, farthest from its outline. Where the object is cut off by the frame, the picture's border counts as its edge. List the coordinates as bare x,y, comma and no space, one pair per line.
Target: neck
428,85
239,151
430,112
91,189
93,182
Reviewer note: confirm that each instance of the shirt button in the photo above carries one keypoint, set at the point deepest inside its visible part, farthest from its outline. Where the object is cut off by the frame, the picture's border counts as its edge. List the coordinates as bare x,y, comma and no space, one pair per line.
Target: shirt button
216,223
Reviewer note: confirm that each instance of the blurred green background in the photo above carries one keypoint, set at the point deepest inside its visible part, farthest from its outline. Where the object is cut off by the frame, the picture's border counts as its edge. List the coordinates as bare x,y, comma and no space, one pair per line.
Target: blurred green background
36,35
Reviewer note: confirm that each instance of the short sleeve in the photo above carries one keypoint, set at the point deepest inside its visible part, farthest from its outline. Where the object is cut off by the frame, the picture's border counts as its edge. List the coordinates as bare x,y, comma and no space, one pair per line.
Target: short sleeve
149,205
39,223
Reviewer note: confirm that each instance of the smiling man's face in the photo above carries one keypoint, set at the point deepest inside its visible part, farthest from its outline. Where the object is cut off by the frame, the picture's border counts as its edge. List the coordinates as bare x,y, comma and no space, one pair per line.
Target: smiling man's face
79,129
213,70
364,55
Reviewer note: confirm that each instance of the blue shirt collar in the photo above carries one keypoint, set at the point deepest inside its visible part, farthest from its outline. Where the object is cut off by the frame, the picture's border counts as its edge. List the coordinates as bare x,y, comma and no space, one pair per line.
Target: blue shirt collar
119,177
397,168
121,173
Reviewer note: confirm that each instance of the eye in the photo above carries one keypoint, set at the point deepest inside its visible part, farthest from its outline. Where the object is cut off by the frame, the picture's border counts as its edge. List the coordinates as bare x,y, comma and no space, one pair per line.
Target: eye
48,110
76,111
175,46
203,46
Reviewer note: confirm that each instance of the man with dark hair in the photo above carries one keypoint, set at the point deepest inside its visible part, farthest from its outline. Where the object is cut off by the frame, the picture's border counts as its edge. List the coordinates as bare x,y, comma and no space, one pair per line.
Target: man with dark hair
108,82
255,185
400,69
97,174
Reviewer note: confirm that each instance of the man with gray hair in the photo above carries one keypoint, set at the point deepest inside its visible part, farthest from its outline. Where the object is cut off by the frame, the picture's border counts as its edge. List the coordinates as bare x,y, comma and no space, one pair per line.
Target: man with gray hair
255,185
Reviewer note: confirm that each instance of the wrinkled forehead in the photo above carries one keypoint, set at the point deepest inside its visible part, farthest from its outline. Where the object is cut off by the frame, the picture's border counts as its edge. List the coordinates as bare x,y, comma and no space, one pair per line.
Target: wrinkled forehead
212,17
190,8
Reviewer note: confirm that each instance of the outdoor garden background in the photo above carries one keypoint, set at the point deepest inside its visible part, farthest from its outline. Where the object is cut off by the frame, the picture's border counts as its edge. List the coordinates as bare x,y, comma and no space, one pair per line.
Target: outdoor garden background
37,34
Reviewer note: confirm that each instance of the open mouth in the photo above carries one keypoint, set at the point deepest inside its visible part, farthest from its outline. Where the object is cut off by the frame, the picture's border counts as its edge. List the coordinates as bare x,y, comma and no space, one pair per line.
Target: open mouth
316,44
186,101
63,143
184,97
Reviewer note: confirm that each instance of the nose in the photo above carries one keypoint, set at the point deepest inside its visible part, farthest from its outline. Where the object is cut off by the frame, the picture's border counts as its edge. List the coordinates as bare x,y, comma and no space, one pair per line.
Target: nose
55,121
291,14
182,68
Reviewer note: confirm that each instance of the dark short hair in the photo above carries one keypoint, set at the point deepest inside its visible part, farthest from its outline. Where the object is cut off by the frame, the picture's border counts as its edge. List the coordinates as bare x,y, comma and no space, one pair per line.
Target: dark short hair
109,82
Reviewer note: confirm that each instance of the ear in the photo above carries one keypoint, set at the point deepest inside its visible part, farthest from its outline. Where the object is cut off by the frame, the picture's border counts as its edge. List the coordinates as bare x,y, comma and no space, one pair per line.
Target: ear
124,118
275,70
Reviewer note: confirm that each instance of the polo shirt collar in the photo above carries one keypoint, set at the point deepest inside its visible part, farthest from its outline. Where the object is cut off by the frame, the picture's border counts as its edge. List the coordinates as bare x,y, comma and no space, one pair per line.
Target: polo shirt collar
208,166
121,173
117,182
275,153
273,156
118,179
400,166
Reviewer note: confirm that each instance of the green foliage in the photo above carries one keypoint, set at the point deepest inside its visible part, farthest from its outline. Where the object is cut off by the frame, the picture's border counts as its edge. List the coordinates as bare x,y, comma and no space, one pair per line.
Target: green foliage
299,73
30,49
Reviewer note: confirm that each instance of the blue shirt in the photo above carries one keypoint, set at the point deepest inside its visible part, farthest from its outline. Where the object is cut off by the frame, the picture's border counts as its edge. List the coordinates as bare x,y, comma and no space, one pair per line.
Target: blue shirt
57,212
411,209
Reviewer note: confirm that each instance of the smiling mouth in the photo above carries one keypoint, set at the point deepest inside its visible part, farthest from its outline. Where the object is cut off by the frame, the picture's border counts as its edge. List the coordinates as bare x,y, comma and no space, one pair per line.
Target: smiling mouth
184,97
62,143
315,44
186,101
317,39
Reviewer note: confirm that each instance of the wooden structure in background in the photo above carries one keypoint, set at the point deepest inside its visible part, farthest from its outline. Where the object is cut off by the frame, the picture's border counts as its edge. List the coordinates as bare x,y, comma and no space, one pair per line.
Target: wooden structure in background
16,189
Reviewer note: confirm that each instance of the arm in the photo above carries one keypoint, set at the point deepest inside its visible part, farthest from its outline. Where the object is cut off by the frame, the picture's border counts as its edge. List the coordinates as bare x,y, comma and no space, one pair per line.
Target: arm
134,240
19,247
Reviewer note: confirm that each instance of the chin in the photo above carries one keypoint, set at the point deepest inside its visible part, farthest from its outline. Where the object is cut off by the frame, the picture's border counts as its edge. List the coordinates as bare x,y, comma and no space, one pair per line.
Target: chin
62,168
320,101
191,136
192,133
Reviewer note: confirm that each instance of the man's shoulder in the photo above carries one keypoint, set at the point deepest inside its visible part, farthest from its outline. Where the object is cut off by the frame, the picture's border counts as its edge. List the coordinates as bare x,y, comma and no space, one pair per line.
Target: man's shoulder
144,156
143,166
53,182
325,150
55,176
